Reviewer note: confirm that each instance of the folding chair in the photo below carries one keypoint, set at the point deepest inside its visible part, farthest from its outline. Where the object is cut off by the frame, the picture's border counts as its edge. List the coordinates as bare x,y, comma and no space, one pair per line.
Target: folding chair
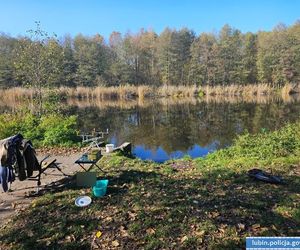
43,168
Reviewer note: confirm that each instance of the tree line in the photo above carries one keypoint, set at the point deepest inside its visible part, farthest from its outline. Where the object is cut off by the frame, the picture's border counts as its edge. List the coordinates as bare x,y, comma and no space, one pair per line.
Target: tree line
173,57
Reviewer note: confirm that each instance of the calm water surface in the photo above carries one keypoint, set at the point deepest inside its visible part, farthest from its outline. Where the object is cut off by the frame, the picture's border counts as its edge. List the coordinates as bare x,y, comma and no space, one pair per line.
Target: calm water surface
159,132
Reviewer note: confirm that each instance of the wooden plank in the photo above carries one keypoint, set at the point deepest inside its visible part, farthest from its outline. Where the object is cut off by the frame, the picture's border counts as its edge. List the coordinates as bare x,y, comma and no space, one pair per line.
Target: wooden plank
125,148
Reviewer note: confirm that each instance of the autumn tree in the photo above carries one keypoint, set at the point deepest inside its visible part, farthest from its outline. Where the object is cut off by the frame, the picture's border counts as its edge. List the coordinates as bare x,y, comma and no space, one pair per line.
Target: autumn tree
202,64
173,57
7,45
69,65
90,58
37,61
249,57
229,56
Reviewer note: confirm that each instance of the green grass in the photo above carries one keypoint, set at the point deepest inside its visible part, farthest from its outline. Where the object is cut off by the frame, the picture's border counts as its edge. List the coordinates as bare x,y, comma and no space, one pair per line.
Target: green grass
211,203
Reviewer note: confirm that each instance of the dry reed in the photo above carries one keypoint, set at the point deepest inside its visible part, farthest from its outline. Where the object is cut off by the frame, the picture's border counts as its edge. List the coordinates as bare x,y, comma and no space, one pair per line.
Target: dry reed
252,92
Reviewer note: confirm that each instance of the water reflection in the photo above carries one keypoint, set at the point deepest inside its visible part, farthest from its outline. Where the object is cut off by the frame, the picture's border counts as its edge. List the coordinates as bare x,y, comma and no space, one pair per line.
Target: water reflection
160,155
171,128
163,131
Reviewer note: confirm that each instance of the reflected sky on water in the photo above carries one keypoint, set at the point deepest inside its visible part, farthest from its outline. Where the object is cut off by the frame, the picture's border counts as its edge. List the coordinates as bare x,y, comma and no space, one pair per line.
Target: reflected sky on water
160,132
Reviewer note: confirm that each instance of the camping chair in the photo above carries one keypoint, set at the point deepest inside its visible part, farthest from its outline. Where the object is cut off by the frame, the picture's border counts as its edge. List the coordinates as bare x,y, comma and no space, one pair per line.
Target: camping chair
43,167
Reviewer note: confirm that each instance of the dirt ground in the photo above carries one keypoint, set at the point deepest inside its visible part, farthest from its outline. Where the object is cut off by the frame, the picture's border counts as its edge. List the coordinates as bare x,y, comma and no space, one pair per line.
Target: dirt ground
18,198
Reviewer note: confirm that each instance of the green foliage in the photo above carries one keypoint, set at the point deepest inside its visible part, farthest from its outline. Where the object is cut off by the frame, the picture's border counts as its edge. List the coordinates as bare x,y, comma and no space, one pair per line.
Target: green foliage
47,130
9,125
53,101
175,57
278,55
263,149
90,58
38,60
272,144
7,45
58,130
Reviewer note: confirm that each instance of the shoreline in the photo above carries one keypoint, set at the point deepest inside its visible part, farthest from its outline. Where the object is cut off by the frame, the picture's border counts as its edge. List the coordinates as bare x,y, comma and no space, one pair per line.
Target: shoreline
182,203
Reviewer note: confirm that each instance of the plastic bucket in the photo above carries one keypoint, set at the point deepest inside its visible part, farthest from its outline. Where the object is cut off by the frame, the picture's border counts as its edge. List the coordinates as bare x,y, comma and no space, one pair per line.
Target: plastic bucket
109,148
100,188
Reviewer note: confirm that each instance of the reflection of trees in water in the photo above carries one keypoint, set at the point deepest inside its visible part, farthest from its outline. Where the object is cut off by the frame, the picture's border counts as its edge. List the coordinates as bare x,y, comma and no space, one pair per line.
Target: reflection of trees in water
179,127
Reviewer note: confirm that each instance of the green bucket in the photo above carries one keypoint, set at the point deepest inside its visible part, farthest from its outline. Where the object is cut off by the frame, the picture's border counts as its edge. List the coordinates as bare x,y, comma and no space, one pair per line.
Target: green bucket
99,190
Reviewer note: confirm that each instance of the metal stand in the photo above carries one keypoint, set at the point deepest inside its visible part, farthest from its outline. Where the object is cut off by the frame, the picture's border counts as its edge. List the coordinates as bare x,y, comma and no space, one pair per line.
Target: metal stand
96,140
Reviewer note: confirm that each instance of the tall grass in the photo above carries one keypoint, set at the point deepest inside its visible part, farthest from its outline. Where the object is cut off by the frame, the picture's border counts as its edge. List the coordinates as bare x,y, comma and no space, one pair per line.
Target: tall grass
129,92
177,91
289,89
238,90
146,102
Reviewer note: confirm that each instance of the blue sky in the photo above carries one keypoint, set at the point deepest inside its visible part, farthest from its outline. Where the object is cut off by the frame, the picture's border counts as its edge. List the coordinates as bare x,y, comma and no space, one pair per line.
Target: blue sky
96,16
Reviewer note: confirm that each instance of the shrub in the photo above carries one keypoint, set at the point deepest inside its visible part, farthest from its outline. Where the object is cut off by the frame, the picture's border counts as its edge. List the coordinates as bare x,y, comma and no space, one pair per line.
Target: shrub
9,125
59,130
48,130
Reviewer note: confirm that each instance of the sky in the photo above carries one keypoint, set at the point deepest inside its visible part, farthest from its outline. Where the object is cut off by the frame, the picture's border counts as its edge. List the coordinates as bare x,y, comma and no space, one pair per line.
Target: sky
104,16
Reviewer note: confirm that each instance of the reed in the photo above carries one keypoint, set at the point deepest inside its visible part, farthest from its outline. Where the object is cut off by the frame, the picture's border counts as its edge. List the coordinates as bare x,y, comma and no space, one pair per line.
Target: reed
130,92
146,102
290,89
238,90
177,91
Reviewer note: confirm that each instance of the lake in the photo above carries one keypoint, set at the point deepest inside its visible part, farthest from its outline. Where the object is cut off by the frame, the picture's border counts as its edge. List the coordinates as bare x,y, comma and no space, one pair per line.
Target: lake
161,130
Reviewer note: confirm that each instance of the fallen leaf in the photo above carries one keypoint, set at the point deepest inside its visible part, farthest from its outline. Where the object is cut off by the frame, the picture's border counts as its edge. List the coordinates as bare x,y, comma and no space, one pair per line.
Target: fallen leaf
30,233
200,233
241,226
273,227
70,238
132,215
98,234
214,214
150,231
255,226
115,243
123,231
184,238
263,229
108,219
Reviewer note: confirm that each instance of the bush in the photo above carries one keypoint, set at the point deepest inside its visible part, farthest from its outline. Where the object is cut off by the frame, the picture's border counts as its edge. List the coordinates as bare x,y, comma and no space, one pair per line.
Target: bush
48,130
59,130
9,125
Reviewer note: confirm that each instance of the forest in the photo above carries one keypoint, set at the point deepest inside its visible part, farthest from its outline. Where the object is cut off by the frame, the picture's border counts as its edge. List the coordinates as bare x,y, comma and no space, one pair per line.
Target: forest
173,57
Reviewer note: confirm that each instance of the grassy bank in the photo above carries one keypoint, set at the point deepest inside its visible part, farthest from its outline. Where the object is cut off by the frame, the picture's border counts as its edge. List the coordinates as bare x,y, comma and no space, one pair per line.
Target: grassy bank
207,203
